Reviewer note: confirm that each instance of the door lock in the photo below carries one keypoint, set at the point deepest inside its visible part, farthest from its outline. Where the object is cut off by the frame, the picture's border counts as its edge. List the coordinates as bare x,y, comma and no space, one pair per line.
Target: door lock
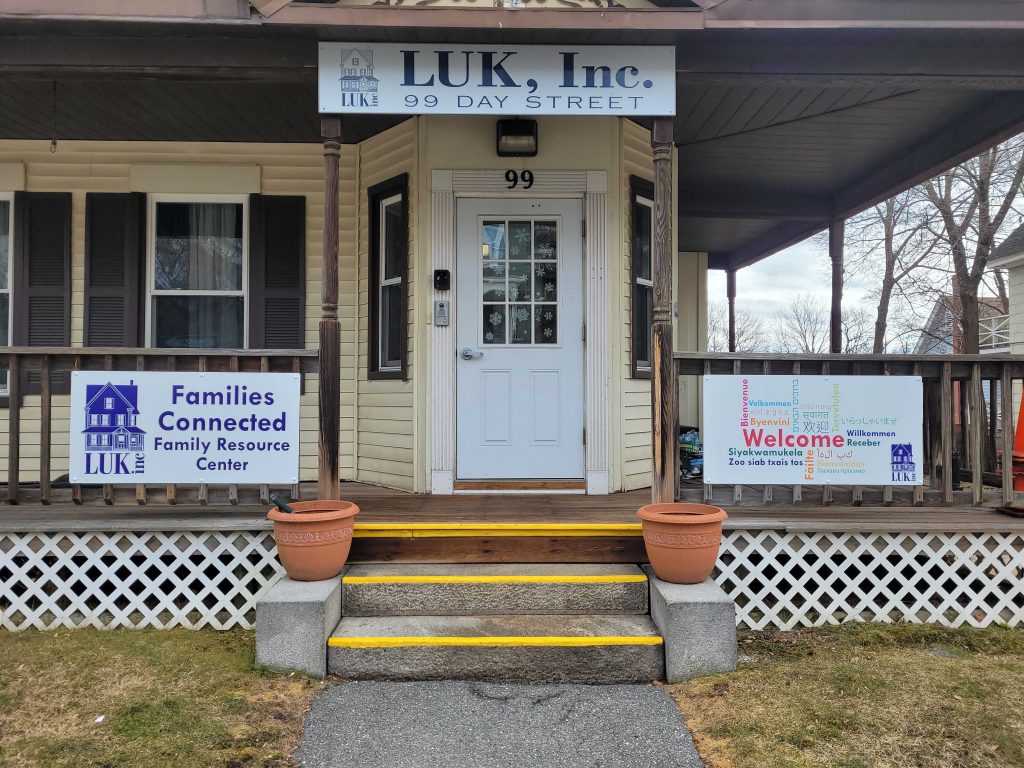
469,354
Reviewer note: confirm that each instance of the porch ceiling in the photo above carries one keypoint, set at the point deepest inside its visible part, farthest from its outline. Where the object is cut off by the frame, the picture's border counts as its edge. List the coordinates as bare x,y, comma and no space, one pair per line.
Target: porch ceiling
779,130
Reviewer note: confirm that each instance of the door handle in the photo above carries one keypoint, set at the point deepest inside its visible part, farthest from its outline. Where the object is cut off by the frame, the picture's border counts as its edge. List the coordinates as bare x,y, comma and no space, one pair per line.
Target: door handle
469,354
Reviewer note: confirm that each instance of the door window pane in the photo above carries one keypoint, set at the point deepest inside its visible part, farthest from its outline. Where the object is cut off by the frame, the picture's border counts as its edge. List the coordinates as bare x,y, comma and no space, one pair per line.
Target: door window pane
494,281
519,325
546,321
494,240
519,282
198,321
494,323
545,237
519,240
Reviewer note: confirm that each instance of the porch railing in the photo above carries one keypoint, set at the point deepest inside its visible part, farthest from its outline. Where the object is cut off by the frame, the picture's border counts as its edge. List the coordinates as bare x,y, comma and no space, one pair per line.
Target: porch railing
968,416
44,372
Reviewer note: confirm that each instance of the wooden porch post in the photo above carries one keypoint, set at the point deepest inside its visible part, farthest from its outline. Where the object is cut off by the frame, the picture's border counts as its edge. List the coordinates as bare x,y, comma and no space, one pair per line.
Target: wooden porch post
664,386
836,232
330,342
730,292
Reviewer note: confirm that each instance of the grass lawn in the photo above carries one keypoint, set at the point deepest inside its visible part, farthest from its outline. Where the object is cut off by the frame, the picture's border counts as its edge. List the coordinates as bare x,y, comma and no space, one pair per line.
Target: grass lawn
167,699
864,696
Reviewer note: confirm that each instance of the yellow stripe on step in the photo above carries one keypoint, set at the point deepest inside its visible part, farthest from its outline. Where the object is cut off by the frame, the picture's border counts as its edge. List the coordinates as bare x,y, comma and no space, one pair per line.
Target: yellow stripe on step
476,530
511,641
624,578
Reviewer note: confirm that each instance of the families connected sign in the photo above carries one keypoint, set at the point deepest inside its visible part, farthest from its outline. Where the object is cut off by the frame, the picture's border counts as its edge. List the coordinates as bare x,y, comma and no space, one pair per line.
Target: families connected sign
523,80
164,427
813,430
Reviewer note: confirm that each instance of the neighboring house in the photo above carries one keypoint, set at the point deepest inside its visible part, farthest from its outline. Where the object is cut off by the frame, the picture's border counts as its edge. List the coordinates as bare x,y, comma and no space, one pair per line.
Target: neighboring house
943,334
110,418
1009,255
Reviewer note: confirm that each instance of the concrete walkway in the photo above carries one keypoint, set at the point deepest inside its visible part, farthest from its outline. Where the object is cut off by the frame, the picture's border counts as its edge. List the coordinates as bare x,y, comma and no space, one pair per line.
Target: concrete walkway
452,724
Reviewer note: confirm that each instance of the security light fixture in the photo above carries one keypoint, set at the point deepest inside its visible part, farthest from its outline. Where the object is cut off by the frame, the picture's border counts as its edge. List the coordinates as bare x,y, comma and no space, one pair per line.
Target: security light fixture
517,138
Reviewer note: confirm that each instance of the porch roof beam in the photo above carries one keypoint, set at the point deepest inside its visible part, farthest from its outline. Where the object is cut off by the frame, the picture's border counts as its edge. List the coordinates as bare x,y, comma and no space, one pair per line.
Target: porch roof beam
976,59
959,140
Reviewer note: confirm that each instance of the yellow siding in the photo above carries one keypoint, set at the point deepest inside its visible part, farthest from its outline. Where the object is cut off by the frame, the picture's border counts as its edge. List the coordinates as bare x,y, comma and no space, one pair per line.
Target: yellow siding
636,393
690,332
385,411
285,169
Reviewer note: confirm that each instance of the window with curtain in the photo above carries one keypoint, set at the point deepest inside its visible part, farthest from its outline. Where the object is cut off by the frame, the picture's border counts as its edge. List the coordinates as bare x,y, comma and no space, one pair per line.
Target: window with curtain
197,284
642,287
388,273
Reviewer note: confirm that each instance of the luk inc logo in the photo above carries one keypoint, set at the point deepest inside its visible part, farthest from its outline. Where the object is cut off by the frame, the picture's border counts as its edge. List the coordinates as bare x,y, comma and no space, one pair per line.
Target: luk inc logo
358,84
114,443
901,462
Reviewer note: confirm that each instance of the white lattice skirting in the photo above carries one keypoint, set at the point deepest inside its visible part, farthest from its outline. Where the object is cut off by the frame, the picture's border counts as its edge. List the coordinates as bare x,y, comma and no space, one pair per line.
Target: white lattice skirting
809,579
140,579
212,579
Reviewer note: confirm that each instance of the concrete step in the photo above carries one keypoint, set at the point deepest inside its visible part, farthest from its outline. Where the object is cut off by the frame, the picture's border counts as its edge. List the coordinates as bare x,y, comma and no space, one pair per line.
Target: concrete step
481,589
529,649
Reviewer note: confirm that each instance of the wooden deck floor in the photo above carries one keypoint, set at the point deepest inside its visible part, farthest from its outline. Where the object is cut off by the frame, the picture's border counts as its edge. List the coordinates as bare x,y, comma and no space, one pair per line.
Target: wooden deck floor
380,506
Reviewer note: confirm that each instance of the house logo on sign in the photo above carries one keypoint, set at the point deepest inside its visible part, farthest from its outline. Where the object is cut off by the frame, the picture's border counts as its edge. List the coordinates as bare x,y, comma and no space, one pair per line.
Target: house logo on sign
901,459
111,432
358,84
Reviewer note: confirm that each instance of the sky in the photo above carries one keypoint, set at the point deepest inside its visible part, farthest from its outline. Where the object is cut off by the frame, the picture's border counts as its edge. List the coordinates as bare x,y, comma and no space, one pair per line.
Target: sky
769,285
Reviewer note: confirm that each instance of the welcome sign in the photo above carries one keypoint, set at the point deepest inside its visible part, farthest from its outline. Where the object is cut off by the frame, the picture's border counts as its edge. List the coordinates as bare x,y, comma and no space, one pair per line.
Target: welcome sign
512,80
165,427
813,430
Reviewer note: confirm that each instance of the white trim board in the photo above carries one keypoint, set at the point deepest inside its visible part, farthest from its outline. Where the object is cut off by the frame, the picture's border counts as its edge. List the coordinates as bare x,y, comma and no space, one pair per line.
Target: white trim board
592,187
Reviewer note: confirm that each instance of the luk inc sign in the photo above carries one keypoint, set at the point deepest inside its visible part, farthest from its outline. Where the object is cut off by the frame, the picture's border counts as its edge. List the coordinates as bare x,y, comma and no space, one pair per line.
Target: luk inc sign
165,427
387,78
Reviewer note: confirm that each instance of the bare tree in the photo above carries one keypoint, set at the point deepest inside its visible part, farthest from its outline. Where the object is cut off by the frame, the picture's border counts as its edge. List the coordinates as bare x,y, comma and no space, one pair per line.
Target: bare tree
750,335
803,325
974,202
892,243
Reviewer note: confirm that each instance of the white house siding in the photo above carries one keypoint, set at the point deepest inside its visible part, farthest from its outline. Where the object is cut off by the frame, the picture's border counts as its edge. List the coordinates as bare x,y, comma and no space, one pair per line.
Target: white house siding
385,413
1015,288
283,169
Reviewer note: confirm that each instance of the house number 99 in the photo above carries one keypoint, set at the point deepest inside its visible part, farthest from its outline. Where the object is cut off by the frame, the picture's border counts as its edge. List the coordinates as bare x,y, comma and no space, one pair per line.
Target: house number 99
513,179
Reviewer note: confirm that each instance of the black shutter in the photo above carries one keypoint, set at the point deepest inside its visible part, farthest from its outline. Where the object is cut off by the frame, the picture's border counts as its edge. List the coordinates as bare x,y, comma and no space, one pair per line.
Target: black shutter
114,265
42,261
277,272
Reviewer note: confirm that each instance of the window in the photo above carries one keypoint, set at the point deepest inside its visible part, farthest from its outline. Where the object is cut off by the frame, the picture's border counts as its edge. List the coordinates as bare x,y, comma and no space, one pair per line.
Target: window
108,403
519,290
642,286
6,241
198,253
389,256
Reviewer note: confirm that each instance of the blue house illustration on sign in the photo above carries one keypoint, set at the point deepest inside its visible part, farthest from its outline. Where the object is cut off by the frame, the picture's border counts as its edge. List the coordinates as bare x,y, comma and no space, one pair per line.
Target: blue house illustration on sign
902,457
357,72
110,418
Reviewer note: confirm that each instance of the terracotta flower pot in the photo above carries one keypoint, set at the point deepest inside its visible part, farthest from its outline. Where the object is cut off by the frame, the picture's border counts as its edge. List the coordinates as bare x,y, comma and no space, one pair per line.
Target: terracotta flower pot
682,540
313,543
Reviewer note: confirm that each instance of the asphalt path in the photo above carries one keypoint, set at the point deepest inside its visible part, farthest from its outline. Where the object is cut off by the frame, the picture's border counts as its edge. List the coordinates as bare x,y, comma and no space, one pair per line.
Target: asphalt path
451,724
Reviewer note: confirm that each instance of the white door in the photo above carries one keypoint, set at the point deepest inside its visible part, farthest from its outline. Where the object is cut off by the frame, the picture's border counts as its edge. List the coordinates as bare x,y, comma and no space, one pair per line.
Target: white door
519,331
